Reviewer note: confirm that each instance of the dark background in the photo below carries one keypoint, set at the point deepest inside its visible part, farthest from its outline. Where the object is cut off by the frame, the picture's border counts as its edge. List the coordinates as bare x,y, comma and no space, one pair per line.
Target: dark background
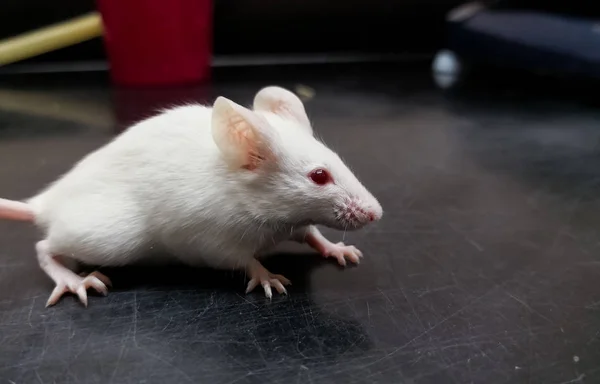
258,27
252,27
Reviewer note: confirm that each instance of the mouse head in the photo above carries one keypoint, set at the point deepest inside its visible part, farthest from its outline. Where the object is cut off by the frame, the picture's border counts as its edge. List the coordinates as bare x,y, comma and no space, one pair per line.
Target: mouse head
285,172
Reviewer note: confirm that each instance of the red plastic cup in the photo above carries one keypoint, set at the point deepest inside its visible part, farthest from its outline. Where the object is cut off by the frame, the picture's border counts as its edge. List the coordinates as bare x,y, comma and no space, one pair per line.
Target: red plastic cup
157,42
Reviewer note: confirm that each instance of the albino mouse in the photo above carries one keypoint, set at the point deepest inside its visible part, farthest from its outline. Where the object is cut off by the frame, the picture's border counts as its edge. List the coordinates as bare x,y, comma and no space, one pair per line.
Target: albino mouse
208,186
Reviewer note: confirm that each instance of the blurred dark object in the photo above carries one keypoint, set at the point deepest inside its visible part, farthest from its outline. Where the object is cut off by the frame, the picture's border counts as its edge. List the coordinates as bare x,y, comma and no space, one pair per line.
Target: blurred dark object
267,27
585,8
539,39
152,42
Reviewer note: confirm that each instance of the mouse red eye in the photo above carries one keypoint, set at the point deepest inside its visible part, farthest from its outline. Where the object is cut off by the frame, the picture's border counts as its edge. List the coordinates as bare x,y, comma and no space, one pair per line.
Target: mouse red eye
320,176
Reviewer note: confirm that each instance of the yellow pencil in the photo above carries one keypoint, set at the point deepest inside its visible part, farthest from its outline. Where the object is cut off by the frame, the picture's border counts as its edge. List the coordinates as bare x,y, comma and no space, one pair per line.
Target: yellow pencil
50,38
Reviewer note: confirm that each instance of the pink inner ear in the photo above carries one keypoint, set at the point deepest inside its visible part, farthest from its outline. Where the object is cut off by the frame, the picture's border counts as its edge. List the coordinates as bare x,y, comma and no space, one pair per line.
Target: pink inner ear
280,107
239,134
245,138
254,161
249,140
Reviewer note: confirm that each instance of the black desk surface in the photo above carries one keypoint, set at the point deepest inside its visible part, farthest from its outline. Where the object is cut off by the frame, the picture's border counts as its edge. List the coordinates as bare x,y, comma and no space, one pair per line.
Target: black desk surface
485,268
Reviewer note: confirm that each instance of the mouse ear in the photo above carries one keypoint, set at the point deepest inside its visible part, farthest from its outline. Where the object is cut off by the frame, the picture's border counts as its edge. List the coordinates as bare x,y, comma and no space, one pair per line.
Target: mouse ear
283,103
240,134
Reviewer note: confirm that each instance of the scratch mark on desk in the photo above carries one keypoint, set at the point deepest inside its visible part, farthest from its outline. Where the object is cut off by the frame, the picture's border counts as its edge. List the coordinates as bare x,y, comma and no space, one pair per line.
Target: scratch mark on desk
135,319
247,301
474,244
30,311
578,379
37,375
528,307
428,291
112,378
594,305
400,348
386,296
181,372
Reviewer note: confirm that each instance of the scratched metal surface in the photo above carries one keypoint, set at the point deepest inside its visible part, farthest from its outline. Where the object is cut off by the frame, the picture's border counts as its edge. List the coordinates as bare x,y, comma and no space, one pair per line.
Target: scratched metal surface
485,269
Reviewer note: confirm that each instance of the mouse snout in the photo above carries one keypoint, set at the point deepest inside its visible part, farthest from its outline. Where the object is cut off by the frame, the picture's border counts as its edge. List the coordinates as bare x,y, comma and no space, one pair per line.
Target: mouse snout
356,213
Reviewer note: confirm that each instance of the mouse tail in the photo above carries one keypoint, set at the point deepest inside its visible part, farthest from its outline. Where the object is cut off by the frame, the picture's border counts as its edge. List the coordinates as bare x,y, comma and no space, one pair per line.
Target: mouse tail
16,210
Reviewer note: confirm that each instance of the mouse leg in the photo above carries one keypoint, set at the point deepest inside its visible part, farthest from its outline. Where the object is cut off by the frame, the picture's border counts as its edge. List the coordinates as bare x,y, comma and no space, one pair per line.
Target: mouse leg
260,275
313,237
66,280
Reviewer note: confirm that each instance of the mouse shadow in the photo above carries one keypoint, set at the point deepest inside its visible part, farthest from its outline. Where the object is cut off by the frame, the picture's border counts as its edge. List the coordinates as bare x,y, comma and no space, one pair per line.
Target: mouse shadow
205,313
179,276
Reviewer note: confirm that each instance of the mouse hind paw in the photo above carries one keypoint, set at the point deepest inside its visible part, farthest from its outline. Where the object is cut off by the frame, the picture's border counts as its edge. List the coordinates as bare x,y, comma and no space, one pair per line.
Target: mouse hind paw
79,285
66,280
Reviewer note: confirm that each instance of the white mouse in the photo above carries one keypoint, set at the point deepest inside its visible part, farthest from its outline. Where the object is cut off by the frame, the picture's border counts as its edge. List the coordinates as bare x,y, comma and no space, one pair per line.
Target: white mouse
208,186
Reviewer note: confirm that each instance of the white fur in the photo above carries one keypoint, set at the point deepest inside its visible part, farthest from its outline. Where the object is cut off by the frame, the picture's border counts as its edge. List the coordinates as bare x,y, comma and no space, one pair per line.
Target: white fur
166,185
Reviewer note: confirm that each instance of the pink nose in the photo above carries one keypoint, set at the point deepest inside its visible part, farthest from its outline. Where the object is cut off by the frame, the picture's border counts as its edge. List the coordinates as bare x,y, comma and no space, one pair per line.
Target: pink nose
374,214
360,214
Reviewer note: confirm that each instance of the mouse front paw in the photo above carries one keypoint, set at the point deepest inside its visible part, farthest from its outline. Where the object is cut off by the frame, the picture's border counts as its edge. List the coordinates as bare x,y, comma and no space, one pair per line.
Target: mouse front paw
313,237
342,252
260,275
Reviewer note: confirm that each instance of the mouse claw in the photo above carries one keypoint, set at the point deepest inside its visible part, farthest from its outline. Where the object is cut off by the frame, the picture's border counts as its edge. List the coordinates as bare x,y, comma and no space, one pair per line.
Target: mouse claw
267,287
278,286
103,278
251,285
82,294
56,294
